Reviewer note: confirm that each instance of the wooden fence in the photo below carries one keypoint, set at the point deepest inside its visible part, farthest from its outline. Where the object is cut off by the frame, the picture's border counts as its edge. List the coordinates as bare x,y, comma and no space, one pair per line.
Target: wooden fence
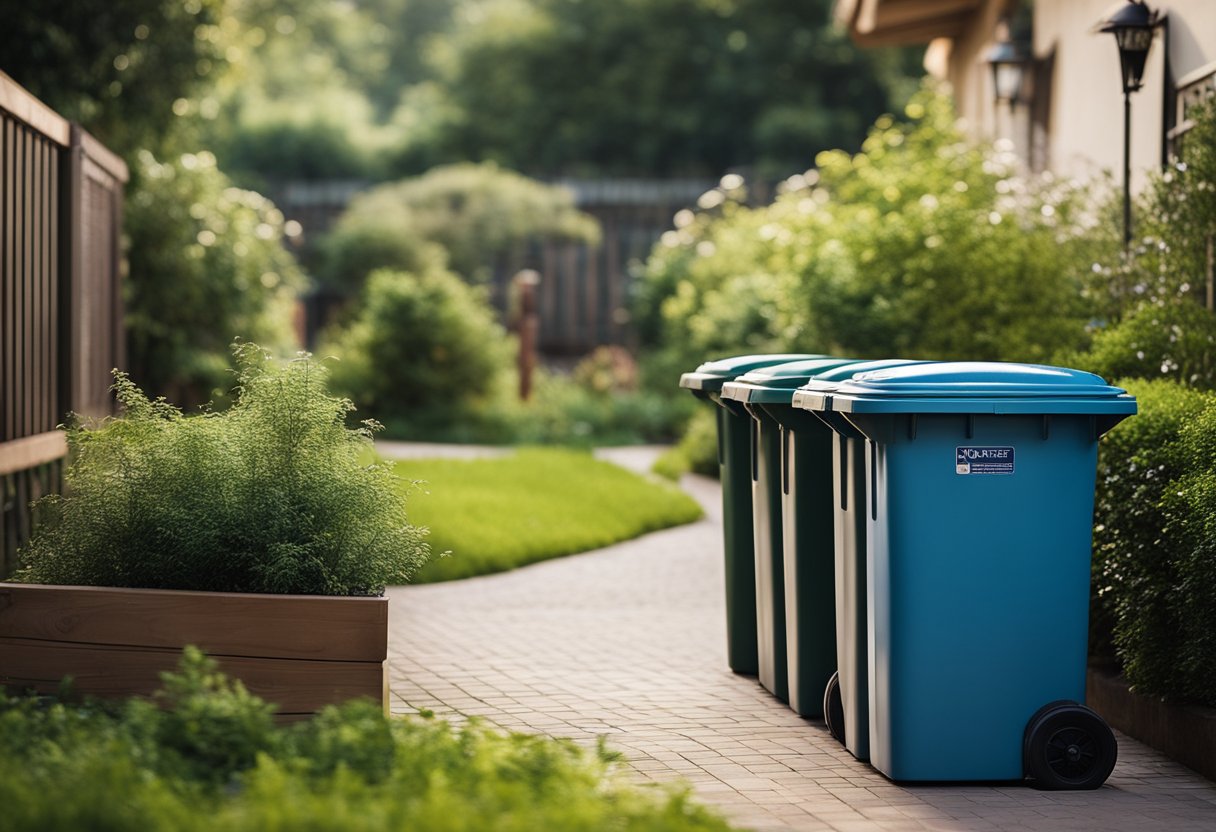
60,306
583,294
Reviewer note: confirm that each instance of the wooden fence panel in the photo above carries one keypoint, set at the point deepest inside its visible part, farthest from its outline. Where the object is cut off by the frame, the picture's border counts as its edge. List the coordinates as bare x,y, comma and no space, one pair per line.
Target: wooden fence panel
60,308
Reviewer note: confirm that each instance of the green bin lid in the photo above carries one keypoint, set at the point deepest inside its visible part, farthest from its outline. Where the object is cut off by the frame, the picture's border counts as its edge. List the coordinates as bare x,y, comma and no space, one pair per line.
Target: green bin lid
816,393
776,384
981,387
712,375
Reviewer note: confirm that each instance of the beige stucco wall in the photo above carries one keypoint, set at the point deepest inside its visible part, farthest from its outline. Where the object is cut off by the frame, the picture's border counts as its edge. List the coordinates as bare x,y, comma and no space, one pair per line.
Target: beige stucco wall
1086,114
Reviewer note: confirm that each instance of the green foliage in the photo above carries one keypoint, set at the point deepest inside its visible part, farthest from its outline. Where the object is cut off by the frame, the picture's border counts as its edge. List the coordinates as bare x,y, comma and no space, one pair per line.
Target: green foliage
117,68
501,513
1175,339
207,264
658,87
919,246
1150,302
211,722
476,217
1155,509
269,496
697,450
423,349
351,768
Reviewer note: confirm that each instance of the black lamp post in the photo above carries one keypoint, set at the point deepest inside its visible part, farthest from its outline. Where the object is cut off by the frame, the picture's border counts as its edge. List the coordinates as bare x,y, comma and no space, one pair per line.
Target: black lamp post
1132,27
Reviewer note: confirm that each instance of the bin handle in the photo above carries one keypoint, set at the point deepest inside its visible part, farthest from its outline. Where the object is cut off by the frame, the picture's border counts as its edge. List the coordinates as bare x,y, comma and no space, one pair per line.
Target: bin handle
843,443
873,448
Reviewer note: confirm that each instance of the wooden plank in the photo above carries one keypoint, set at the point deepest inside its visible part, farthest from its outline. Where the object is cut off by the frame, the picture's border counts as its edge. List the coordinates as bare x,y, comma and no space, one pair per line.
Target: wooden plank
29,110
319,627
295,686
105,160
29,451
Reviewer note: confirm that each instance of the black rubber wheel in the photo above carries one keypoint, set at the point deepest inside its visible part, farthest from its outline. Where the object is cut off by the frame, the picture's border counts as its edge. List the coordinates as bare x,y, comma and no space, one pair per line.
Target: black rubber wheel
833,708
1068,746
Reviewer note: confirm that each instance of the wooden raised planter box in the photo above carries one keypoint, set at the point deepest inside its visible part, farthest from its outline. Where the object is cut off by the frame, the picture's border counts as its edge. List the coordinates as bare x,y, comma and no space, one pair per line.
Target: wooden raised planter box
300,652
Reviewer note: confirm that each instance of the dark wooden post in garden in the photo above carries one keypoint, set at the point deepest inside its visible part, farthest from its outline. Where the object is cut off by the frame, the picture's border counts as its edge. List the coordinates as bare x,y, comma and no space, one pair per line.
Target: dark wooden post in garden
529,325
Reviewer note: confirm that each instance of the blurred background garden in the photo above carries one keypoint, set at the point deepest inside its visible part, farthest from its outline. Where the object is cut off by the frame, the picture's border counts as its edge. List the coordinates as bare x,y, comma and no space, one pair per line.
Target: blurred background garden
689,178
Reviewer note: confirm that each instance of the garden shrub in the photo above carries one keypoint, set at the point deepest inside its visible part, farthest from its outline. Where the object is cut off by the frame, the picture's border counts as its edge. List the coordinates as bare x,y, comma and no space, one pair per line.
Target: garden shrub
920,246
1175,339
697,450
207,264
423,351
478,216
1132,568
272,495
1150,303
118,767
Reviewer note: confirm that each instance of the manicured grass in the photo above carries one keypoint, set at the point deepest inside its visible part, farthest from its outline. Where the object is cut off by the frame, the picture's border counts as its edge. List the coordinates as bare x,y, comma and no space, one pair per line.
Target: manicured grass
498,514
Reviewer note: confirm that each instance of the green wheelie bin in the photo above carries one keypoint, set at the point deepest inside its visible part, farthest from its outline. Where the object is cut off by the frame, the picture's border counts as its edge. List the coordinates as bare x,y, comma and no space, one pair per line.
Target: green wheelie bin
846,699
734,461
792,515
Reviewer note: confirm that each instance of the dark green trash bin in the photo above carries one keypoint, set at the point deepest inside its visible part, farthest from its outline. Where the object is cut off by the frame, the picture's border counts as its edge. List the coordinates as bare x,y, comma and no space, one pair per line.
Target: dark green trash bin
734,460
846,698
792,514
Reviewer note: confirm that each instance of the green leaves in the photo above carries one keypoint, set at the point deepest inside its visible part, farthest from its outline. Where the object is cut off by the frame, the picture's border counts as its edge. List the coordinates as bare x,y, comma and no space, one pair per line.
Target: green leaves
211,759
1154,572
272,495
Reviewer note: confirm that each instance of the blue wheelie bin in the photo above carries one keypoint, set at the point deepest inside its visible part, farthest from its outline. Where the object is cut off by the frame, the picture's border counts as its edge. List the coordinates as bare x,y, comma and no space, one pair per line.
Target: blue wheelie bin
846,696
792,514
734,461
980,485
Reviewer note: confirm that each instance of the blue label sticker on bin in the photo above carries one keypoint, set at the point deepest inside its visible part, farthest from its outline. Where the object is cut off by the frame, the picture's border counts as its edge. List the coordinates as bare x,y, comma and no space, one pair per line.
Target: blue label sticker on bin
987,460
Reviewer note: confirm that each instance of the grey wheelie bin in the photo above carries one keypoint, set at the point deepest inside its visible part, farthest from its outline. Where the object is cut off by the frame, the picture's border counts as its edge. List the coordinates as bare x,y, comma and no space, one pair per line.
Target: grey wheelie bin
792,514
734,461
846,697
980,486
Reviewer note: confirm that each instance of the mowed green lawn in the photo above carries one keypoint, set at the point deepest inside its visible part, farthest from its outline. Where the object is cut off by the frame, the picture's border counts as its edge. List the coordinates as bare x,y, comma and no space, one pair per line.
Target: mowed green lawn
497,514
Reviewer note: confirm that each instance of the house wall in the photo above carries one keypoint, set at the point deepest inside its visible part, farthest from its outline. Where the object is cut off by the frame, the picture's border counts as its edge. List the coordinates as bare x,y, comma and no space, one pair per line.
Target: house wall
1080,130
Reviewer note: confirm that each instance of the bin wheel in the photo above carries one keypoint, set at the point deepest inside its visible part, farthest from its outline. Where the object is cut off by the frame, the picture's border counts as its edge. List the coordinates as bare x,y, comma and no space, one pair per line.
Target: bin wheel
1068,746
833,708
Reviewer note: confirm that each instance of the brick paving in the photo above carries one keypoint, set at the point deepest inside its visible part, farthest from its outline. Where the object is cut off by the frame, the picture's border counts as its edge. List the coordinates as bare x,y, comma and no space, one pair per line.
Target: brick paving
628,643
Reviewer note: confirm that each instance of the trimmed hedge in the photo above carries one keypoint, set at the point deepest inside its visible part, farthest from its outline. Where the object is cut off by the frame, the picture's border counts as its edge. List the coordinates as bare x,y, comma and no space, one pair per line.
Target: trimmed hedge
1154,570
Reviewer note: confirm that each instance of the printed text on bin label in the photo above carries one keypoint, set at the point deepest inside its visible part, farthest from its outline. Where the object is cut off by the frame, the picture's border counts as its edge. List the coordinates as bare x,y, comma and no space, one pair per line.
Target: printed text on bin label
983,460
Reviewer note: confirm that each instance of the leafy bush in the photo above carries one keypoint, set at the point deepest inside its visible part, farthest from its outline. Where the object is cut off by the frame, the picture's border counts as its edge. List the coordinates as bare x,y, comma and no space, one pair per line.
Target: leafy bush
1151,302
697,450
920,246
479,216
424,350
124,768
207,264
269,496
1155,514
1137,463
1175,340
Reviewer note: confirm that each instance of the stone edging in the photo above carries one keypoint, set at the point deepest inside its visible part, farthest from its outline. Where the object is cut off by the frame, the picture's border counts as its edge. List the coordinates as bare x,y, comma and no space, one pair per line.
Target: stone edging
1186,733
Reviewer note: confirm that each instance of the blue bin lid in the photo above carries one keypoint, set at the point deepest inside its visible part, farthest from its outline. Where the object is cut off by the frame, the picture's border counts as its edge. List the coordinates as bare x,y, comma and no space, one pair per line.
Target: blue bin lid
981,387
713,374
776,384
816,393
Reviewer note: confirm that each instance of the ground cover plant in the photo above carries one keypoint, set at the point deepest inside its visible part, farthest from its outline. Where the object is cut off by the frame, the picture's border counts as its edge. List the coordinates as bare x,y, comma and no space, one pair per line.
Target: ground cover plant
211,758
272,495
538,503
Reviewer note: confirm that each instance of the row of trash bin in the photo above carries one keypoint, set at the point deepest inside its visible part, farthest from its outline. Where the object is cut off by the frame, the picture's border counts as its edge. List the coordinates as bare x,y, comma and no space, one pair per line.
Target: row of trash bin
907,550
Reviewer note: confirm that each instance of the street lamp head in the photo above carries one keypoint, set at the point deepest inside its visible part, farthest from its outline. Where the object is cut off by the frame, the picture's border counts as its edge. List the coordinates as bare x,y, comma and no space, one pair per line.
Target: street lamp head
1132,27
1008,64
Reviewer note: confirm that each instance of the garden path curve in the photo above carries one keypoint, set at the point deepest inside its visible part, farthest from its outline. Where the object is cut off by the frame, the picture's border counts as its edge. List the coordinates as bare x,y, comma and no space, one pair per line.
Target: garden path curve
628,642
